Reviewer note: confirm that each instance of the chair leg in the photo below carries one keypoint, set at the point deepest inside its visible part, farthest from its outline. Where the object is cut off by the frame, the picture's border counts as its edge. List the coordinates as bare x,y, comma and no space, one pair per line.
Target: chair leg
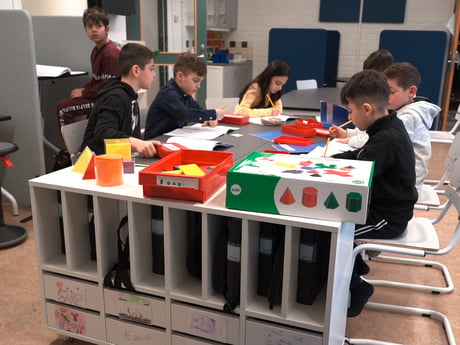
12,200
412,286
408,311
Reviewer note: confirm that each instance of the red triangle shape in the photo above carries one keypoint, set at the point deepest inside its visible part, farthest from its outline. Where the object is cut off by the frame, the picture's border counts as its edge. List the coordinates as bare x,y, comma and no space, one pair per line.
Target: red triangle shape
90,174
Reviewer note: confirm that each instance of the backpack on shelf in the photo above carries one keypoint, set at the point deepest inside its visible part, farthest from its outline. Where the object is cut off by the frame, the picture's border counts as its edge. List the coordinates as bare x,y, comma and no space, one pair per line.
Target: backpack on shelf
119,276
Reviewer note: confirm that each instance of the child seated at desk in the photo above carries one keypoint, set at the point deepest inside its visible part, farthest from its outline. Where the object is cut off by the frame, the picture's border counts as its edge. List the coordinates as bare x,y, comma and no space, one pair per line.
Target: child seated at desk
104,66
393,193
174,106
262,96
116,112
417,116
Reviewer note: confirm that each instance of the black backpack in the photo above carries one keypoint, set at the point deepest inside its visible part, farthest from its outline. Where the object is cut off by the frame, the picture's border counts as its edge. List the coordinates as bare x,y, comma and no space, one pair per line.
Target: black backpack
119,276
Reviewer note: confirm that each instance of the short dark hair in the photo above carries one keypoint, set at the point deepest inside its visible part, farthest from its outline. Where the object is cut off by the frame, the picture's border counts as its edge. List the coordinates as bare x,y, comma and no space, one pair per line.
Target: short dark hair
134,54
95,15
404,73
379,60
367,86
190,63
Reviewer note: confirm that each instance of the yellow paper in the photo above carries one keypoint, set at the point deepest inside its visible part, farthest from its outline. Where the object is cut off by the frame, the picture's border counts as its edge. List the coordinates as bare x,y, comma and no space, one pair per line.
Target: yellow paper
119,146
191,169
82,162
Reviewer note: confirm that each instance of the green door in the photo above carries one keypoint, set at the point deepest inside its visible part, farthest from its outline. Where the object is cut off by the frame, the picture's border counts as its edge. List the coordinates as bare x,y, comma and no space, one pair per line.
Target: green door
182,28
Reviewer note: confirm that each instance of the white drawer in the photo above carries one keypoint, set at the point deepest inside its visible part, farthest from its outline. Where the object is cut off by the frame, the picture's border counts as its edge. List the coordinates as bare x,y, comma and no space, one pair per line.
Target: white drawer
203,323
270,333
75,320
153,310
125,333
183,340
71,291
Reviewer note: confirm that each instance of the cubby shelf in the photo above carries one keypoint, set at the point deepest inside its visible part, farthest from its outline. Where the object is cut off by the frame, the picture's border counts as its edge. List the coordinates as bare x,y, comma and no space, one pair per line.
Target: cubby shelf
180,308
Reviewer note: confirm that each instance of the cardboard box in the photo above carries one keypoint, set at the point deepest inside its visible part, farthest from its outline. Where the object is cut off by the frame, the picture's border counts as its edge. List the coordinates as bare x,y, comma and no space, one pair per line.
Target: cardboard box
157,179
322,188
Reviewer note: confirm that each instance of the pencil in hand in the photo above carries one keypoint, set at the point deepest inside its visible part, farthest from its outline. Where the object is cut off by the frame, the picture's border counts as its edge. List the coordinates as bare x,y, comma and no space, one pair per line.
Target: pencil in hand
333,129
327,145
270,100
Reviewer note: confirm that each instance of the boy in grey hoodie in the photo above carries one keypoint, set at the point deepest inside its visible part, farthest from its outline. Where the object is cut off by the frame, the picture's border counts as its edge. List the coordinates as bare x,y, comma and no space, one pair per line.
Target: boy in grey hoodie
417,116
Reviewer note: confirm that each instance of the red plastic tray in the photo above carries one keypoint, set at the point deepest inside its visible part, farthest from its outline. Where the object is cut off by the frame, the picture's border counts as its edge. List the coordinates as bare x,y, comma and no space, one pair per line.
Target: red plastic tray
311,123
157,183
165,149
235,119
322,132
284,139
300,131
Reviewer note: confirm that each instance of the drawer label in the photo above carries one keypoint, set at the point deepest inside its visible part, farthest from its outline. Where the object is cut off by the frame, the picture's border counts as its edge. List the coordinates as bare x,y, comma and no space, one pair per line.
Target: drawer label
70,292
135,308
208,325
70,320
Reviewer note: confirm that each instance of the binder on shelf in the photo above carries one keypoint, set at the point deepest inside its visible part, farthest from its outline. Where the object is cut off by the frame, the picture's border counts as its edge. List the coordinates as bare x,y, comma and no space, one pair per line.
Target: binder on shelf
314,250
158,251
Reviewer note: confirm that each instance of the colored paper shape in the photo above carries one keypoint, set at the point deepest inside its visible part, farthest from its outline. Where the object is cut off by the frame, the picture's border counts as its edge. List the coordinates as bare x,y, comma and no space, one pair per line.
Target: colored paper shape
90,173
287,198
82,162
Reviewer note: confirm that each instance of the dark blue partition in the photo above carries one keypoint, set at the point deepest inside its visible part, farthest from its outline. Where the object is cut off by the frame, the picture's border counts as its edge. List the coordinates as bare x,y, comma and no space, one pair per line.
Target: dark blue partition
308,52
426,50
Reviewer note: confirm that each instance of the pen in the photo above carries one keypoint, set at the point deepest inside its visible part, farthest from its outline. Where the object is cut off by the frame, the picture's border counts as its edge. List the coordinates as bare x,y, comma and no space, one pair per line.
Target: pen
270,100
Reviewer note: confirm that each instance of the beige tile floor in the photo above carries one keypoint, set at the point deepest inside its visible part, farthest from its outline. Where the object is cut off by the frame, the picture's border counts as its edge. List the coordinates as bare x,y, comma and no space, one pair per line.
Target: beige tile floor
21,311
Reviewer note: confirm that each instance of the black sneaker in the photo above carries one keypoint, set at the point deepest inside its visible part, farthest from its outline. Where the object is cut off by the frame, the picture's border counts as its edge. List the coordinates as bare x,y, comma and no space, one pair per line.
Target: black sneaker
360,267
359,297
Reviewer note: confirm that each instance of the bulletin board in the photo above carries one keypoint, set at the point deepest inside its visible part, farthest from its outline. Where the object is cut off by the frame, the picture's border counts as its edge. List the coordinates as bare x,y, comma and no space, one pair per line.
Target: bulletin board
374,11
310,54
426,50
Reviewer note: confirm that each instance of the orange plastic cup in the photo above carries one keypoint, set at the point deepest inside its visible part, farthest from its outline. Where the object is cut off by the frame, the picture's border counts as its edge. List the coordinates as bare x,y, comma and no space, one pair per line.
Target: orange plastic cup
109,170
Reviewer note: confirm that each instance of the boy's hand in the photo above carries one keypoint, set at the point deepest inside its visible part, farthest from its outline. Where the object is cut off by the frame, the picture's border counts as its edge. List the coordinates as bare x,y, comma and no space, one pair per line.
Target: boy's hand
76,93
220,113
145,148
212,123
337,132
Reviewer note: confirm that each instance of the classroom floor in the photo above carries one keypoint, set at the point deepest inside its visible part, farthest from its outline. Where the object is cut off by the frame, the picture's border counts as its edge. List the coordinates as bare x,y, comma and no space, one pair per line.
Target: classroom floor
21,311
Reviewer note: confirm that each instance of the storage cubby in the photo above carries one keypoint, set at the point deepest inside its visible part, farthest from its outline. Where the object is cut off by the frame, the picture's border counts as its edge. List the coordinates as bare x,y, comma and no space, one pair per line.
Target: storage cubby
195,242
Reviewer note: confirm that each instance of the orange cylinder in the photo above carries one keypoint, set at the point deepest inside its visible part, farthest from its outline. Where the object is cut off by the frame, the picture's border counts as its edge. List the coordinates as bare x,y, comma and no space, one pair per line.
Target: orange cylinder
109,170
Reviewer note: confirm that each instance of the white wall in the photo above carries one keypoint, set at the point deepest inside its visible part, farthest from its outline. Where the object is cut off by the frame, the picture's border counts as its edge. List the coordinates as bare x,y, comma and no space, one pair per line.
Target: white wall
54,7
356,41
10,4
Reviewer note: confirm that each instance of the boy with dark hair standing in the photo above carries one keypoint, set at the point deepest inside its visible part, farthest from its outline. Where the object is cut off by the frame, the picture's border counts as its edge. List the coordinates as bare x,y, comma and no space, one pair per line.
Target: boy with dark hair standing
393,189
174,106
116,112
104,66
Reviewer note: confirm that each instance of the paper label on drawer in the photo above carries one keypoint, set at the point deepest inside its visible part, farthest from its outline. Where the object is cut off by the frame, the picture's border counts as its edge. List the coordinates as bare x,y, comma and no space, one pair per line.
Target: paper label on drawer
70,320
70,292
178,182
281,337
135,308
208,325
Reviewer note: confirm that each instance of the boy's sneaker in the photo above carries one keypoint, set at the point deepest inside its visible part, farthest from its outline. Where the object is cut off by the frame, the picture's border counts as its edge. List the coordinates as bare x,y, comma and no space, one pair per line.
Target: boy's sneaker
359,297
360,267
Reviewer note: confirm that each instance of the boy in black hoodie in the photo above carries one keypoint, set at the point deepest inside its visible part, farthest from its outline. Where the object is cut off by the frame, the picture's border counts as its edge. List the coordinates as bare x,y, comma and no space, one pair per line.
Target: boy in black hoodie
116,112
393,192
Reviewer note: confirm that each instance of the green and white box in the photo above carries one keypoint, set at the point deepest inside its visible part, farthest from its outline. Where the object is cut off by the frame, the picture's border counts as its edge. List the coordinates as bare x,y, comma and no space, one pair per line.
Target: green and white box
322,188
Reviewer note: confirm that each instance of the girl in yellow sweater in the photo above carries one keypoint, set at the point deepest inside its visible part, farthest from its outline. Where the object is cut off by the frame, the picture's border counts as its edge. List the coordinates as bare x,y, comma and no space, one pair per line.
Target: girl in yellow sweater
262,96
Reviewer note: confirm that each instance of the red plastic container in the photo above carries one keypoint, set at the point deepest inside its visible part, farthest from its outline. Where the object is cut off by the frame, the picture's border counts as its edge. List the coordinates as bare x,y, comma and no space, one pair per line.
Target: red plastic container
300,131
165,149
311,123
284,139
235,119
157,183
